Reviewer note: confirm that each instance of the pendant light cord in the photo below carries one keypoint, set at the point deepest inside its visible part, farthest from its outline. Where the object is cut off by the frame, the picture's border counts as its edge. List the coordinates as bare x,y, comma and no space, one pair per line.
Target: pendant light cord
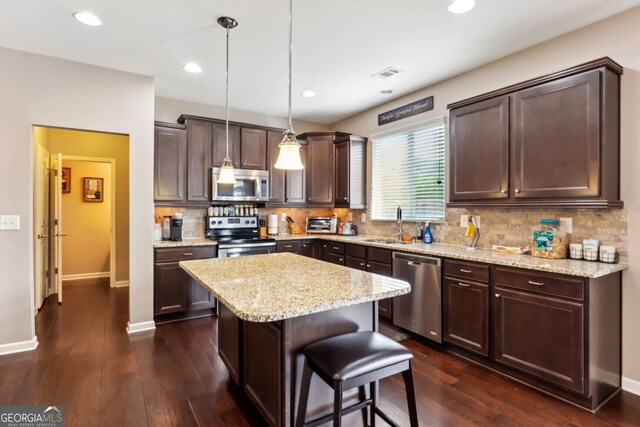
290,55
227,97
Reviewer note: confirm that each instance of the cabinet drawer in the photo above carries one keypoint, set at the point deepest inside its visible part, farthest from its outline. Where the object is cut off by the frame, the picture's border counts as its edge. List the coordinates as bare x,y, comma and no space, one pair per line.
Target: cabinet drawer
379,255
468,270
356,251
335,247
544,283
185,253
288,246
357,263
379,268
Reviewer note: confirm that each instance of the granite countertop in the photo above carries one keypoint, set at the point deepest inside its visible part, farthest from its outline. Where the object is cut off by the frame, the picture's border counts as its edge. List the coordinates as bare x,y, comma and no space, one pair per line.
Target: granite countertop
267,288
561,266
183,243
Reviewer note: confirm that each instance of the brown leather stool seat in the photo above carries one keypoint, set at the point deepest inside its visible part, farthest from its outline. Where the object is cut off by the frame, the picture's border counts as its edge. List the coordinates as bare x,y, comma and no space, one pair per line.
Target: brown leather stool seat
354,360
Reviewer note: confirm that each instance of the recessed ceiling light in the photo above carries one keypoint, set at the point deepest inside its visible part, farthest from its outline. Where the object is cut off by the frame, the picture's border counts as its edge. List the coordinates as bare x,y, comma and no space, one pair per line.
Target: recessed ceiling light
386,91
87,18
461,6
192,67
308,93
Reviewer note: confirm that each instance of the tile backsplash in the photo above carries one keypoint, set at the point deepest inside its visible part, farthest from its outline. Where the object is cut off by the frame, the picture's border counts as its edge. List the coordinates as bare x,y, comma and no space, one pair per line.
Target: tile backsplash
505,226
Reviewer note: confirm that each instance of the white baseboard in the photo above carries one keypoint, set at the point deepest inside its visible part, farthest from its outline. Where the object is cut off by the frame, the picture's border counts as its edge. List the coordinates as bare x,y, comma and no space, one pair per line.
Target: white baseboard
133,328
18,347
83,276
631,385
122,284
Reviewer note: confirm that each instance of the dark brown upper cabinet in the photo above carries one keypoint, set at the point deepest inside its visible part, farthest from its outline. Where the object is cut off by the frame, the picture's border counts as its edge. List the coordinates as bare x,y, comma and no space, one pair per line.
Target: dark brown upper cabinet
350,172
170,162
296,181
563,142
276,176
320,158
253,148
479,159
199,134
219,144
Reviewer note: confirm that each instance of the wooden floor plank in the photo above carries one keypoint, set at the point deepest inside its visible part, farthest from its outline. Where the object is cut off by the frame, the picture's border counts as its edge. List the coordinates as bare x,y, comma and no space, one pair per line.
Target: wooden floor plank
173,376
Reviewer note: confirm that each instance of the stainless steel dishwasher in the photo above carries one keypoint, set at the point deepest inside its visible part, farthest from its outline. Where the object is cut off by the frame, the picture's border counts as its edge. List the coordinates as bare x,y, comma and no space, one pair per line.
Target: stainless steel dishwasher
420,310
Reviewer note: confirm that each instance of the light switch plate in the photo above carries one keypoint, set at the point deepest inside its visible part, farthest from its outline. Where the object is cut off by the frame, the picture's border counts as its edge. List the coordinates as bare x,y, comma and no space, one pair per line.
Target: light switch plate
10,222
363,217
350,217
566,225
283,216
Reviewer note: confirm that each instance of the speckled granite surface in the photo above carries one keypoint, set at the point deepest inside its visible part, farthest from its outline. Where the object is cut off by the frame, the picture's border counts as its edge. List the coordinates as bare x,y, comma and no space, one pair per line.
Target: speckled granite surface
560,266
183,243
267,288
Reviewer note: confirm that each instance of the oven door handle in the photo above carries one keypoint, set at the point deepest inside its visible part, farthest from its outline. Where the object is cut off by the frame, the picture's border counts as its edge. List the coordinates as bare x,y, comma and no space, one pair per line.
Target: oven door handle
246,245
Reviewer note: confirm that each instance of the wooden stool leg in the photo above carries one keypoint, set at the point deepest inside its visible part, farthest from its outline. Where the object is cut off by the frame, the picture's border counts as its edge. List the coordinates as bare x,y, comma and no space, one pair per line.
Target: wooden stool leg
304,395
411,396
337,404
373,386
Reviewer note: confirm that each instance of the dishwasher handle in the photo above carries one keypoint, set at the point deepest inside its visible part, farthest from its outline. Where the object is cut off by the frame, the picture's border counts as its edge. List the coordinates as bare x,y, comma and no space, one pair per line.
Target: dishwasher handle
416,260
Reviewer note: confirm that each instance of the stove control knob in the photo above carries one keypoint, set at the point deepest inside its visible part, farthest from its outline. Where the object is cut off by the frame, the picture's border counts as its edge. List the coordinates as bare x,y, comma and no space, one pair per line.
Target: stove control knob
246,222
219,222
253,221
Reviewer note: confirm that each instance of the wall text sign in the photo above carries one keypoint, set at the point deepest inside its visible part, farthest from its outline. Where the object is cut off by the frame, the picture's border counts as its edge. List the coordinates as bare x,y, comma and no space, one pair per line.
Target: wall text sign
405,111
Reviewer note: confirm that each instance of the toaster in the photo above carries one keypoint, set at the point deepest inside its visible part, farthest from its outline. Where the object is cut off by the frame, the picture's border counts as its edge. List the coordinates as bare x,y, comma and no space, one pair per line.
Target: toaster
322,224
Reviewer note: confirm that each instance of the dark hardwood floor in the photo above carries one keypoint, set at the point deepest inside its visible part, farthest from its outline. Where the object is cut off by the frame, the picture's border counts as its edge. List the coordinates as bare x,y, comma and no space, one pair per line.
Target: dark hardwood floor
88,364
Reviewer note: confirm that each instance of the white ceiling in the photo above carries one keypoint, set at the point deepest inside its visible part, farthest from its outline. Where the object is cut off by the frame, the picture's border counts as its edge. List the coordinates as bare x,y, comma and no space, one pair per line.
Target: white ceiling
338,44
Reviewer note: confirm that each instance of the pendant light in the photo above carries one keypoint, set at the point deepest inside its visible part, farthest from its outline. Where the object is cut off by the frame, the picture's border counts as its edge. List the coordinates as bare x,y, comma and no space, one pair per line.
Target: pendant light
226,170
289,157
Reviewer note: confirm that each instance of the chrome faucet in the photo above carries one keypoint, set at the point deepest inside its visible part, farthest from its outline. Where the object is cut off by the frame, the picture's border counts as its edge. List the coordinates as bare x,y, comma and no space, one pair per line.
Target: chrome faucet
399,222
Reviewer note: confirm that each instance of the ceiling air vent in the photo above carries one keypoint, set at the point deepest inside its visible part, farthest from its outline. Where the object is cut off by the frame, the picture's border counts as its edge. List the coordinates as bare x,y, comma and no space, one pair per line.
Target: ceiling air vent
387,72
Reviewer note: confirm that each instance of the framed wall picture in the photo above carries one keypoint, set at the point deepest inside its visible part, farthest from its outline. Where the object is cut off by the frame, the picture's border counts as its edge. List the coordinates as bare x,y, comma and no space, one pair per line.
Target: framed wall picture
66,180
93,189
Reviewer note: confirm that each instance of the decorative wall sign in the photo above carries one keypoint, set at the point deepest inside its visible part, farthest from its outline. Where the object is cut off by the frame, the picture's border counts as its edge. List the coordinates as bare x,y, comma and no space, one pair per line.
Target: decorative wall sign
93,190
405,111
66,180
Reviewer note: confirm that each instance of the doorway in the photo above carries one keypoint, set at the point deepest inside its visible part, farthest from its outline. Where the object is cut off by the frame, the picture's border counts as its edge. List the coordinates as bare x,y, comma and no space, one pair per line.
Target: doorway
81,219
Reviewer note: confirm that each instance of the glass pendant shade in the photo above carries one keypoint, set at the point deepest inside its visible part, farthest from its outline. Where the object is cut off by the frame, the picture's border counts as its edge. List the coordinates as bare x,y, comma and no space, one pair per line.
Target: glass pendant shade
226,173
289,156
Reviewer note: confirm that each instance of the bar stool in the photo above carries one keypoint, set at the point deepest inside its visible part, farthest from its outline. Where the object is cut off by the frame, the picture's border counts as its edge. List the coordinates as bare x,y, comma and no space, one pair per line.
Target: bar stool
354,360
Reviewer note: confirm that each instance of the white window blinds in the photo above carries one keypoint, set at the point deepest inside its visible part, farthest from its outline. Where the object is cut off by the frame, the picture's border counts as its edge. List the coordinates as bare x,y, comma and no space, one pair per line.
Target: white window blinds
407,170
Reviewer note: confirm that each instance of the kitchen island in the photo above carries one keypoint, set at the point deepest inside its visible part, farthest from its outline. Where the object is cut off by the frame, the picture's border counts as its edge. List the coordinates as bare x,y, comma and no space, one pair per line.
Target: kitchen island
272,306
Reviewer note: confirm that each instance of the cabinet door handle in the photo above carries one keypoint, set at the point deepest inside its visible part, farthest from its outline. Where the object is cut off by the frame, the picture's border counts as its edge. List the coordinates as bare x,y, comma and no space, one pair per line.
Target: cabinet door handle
340,259
345,198
466,285
368,265
180,195
187,253
336,248
362,264
497,295
531,282
288,246
462,270
516,190
503,191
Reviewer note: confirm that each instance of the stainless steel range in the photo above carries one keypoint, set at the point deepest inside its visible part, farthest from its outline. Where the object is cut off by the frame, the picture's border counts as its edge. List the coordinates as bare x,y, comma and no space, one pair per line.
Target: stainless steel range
238,236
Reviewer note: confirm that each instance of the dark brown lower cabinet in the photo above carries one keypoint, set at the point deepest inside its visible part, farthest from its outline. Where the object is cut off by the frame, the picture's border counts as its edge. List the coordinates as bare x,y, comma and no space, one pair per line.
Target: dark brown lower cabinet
262,382
336,258
230,342
288,246
465,307
308,248
176,295
540,335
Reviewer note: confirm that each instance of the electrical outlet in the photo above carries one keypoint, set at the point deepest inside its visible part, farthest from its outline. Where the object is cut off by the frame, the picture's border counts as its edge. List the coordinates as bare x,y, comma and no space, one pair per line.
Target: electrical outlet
283,216
10,222
464,220
350,217
566,225
363,217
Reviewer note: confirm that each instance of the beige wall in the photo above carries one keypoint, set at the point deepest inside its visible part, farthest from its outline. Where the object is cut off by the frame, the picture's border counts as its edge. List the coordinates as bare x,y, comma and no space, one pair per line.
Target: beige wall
40,90
87,247
168,110
104,145
617,37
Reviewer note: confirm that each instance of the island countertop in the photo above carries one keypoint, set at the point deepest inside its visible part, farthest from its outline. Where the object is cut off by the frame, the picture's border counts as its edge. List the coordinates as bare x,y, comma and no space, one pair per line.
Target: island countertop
267,288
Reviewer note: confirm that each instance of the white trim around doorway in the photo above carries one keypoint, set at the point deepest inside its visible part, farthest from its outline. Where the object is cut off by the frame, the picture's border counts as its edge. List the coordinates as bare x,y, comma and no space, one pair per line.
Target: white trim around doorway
112,243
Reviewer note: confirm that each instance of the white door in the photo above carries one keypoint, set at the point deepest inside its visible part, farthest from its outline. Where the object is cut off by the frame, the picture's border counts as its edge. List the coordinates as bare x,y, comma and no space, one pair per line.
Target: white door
57,208
41,227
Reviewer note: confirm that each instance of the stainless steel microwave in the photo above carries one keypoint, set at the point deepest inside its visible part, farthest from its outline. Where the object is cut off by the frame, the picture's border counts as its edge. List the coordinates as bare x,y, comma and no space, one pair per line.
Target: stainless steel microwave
250,186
